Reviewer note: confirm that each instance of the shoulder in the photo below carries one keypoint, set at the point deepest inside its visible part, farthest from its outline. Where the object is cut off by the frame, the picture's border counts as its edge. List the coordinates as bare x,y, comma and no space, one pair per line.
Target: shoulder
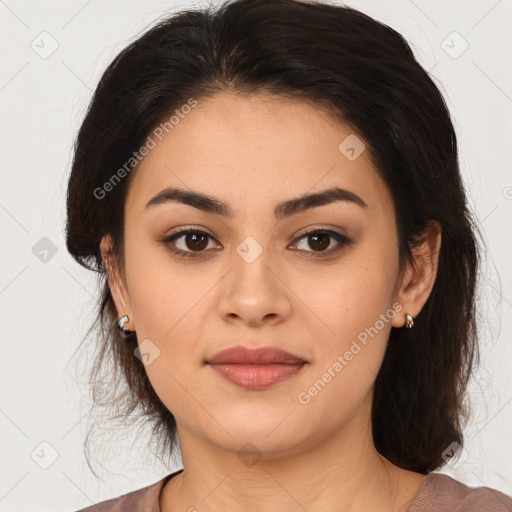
145,499
441,493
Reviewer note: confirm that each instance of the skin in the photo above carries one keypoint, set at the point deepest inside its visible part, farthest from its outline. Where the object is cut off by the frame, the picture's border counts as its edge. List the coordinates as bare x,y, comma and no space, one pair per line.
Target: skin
253,153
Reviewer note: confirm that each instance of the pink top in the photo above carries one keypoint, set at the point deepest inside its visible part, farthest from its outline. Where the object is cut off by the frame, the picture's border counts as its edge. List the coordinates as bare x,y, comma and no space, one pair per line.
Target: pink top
439,493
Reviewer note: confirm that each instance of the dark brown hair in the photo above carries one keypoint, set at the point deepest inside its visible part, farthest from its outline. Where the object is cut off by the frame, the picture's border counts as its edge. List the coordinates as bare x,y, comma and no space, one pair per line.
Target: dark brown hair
357,70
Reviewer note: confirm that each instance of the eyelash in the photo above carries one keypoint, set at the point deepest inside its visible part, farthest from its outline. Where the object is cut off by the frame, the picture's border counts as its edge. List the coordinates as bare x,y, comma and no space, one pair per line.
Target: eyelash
342,240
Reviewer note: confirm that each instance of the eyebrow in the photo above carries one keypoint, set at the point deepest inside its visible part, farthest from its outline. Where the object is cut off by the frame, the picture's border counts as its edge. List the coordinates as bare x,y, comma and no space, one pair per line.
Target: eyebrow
283,210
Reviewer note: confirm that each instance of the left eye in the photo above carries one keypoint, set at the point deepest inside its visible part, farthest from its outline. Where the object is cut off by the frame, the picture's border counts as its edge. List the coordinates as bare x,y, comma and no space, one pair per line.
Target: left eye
321,239
194,241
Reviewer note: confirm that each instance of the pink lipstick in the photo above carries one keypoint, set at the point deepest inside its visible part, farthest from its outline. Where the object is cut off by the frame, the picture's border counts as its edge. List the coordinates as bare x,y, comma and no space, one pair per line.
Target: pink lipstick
255,369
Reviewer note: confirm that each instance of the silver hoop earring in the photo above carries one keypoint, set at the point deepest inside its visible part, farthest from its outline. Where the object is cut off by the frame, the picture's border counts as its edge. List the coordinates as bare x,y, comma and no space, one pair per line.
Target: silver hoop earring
409,322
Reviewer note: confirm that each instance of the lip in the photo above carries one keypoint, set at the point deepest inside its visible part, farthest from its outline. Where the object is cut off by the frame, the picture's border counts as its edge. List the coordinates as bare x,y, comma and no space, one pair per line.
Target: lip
261,355
256,369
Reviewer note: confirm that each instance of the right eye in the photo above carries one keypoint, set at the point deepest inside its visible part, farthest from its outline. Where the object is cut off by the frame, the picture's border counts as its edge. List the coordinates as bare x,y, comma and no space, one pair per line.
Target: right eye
190,240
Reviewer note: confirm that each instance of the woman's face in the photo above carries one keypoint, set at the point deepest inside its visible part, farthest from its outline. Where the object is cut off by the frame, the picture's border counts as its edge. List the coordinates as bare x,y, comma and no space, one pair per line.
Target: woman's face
255,279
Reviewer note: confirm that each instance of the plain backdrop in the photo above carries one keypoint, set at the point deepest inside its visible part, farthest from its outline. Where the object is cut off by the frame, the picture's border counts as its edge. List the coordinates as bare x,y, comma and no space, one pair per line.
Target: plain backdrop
53,54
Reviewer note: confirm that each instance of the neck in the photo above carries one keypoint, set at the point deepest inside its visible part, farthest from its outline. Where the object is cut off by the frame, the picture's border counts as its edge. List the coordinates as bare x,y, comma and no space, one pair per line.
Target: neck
341,472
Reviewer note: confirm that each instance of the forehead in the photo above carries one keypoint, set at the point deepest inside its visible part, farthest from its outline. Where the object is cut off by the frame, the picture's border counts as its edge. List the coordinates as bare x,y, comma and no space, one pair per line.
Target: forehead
256,149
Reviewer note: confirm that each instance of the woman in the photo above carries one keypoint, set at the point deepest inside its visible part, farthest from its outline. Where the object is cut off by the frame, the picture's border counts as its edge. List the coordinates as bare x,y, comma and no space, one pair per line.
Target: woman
272,195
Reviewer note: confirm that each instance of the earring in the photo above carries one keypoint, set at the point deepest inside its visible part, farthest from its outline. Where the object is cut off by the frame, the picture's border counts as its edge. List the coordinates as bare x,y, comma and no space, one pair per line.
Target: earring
122,325
410,322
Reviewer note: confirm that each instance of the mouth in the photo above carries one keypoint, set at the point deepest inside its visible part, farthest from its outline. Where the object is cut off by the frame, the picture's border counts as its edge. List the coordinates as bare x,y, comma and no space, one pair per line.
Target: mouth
255,369
261,356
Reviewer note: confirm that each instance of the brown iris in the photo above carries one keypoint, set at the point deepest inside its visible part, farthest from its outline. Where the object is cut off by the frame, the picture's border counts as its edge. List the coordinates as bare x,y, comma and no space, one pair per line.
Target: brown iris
197,241
324,238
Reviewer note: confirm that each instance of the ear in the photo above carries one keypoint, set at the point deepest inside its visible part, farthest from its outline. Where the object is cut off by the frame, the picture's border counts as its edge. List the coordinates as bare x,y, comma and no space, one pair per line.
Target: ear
419,277
116,282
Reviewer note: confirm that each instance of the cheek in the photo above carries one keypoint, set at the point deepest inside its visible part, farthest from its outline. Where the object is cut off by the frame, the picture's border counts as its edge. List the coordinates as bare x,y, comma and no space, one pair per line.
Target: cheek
162,293
169,303
350,338
349,316
345,300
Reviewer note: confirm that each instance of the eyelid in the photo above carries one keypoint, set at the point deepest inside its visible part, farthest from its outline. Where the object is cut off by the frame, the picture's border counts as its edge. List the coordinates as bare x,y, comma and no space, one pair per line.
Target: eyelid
309,231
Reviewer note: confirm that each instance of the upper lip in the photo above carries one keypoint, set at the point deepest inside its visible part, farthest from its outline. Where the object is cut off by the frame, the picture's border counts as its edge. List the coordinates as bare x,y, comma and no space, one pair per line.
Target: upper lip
262,355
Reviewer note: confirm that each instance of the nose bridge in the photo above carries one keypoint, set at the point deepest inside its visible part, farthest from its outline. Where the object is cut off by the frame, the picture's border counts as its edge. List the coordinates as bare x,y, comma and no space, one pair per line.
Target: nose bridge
252,266
252,290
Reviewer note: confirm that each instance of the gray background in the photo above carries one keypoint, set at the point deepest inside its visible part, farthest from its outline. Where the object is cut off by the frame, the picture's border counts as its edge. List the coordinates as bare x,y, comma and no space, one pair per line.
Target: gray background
47,301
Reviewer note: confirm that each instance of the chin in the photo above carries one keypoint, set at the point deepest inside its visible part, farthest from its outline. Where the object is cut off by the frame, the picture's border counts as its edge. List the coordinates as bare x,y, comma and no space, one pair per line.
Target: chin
269,437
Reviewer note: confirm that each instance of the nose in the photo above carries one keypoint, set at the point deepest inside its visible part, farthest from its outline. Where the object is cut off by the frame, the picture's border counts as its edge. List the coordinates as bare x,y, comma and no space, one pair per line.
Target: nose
254,294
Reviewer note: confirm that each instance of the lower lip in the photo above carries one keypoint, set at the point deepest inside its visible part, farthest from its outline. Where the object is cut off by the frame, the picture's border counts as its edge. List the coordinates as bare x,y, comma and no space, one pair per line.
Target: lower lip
257,376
